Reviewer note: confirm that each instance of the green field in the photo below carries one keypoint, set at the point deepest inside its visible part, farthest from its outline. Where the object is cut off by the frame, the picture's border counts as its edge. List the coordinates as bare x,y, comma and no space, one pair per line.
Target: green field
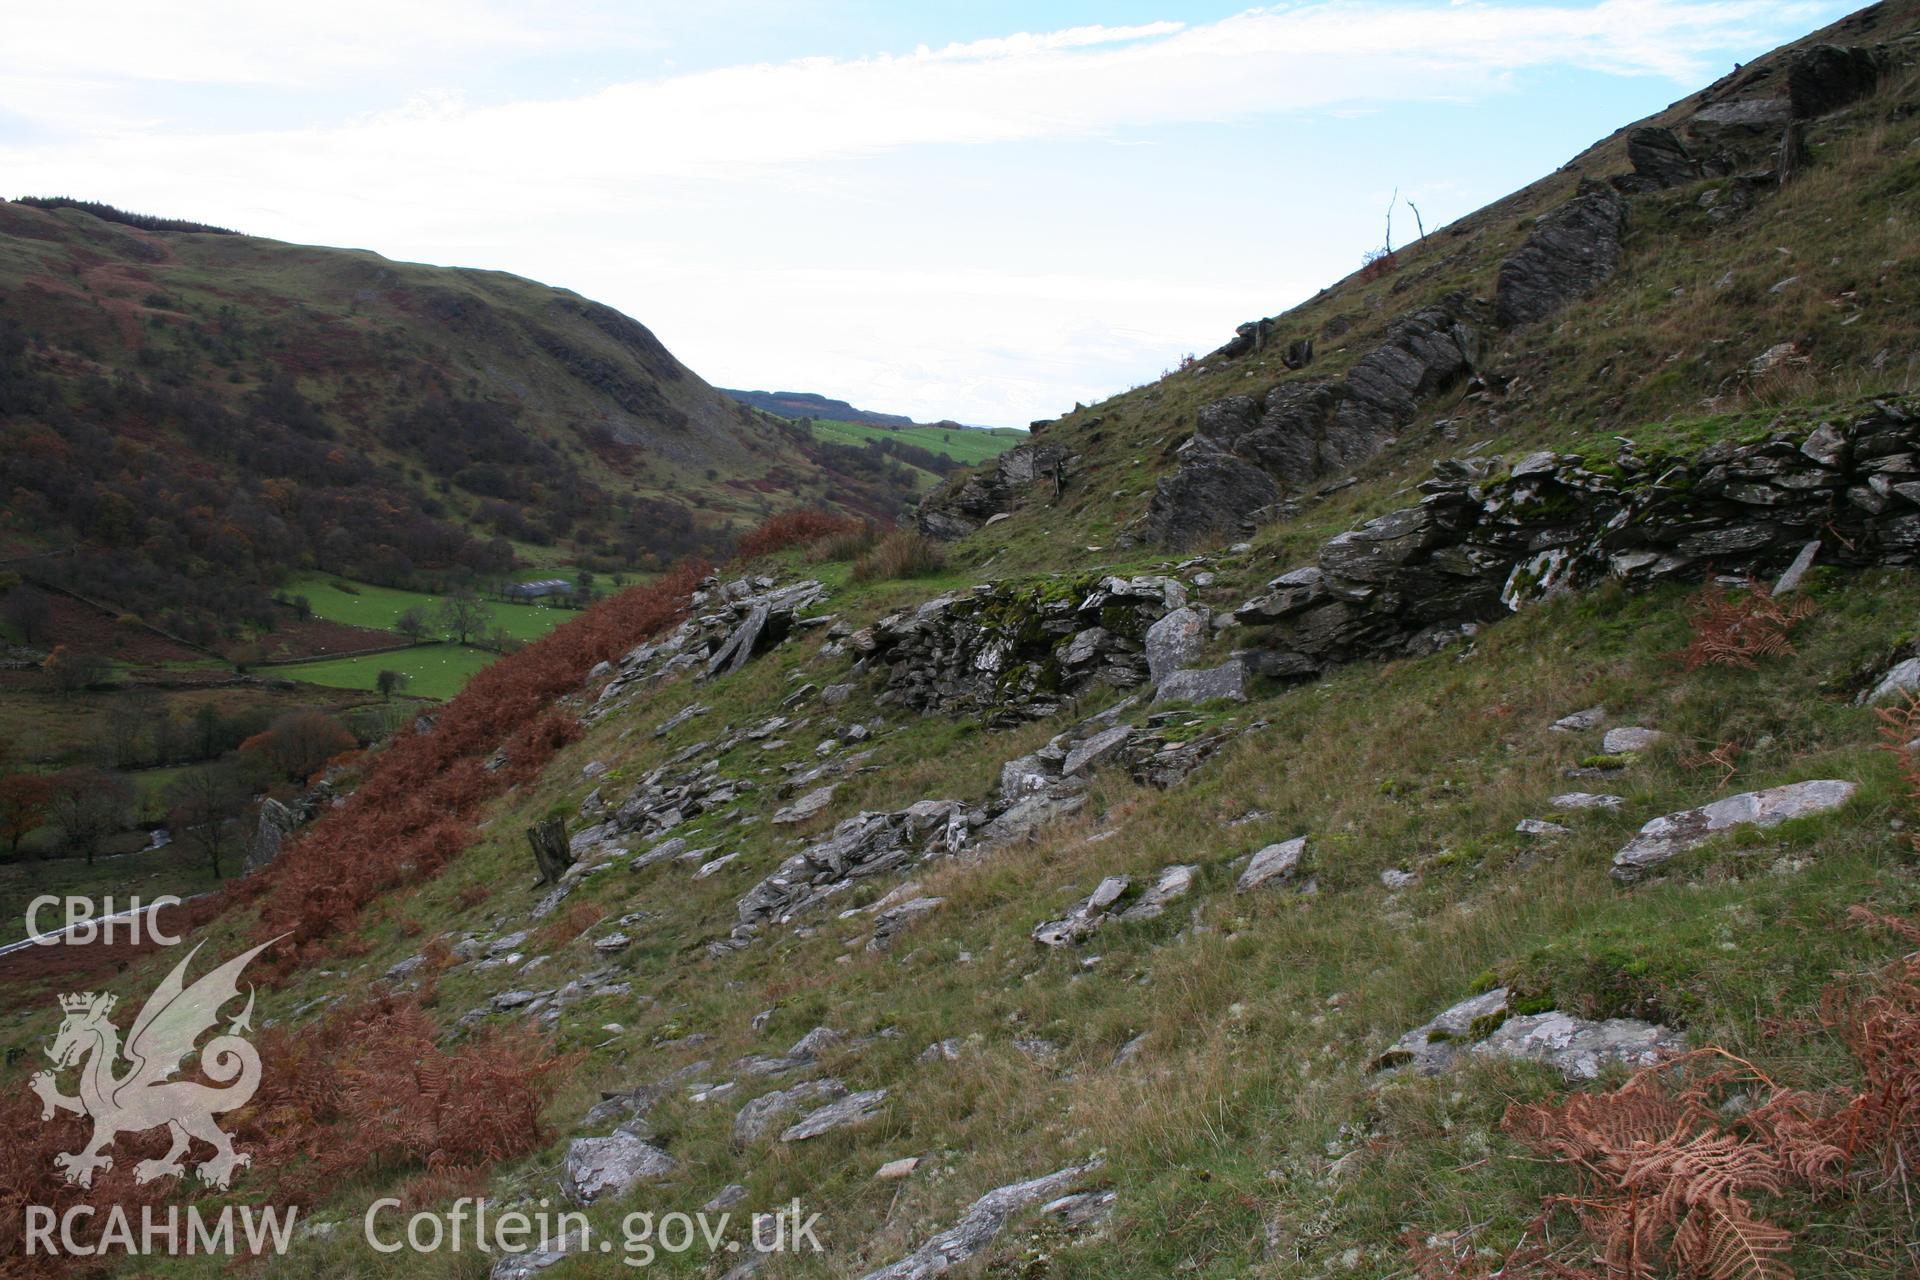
962,444
436,670
380,607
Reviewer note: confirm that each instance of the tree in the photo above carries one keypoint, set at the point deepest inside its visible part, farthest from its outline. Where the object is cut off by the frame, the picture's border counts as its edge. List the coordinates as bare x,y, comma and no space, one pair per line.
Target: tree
202,806
206,730
297,745
413,624
88,806
123,733
462,616
391,682
72,671
24,801
28,611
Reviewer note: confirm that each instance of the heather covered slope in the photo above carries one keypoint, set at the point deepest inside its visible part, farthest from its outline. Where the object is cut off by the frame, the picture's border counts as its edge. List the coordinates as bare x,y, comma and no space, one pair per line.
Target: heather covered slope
199,414
1283,905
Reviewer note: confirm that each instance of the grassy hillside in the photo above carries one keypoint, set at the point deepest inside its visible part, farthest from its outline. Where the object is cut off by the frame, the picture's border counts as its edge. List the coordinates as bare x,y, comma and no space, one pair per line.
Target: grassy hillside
188,417
1665,352
960,444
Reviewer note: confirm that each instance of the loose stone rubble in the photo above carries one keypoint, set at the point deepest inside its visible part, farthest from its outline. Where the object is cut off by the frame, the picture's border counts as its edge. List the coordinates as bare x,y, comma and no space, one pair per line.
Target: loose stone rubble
731,624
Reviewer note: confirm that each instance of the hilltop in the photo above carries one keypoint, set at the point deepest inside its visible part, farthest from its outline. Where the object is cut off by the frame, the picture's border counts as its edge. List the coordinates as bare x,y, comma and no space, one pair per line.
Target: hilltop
190,415
808,404
1426,790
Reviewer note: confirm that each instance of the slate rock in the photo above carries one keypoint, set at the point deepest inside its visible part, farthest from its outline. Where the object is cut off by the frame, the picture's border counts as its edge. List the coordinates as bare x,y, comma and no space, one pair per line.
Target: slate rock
1174,883
811,805
855,1108
1175,641
600,1167
1227,681
525,1265
1902,678
1580,721
1432,1046
1827,77
1669,836
1089,753
1572,251
1574,801
1580,1049
767,1112
1275,862
1208,497
1629,740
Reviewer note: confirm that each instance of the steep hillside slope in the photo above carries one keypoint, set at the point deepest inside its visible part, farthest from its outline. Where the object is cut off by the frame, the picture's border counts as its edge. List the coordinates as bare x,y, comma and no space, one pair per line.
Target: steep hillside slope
1442,810
198,413
1750,249
808,404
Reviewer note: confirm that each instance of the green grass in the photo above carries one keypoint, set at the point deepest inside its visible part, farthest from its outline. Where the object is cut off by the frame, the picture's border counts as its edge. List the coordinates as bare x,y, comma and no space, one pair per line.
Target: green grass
437,670
1261,1011
963,445
366,605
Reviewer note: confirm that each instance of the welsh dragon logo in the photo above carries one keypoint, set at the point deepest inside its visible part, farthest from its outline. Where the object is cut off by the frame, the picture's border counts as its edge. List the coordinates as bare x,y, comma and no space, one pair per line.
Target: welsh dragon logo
141,1097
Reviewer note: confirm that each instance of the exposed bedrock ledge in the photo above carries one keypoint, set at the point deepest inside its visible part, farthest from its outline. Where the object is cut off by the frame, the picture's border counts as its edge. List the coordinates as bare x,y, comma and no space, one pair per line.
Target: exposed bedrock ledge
1243,449
1486,541
1020,651
956,511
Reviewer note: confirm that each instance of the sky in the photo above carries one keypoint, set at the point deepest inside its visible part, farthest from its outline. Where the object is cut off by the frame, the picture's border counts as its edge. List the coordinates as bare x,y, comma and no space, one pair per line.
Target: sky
966,209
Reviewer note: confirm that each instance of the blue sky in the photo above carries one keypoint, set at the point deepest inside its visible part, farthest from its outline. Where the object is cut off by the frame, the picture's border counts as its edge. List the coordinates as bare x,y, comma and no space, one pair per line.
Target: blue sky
983,210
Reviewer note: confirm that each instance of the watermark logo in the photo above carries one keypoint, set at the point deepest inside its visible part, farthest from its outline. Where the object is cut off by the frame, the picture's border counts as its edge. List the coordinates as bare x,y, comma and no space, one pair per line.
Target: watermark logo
127,1090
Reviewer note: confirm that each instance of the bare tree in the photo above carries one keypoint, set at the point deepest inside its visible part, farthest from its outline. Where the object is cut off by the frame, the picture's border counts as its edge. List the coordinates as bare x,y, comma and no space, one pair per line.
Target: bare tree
28,611
391,682
413,624
463,616
72,671
203,804
88,806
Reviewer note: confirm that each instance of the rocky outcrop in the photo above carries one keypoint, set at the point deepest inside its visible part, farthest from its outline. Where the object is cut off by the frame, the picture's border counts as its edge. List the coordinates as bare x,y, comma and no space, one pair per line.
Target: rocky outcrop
1668,837
957,511
1017,652
854,1109
1275,862
611,1166
1105,904
769,1111
1211,495
1659,160
1483,1026
1175,641
982,1221
1303,430
277,822
1488,540
1827,77
1572,251
862,846
732,623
